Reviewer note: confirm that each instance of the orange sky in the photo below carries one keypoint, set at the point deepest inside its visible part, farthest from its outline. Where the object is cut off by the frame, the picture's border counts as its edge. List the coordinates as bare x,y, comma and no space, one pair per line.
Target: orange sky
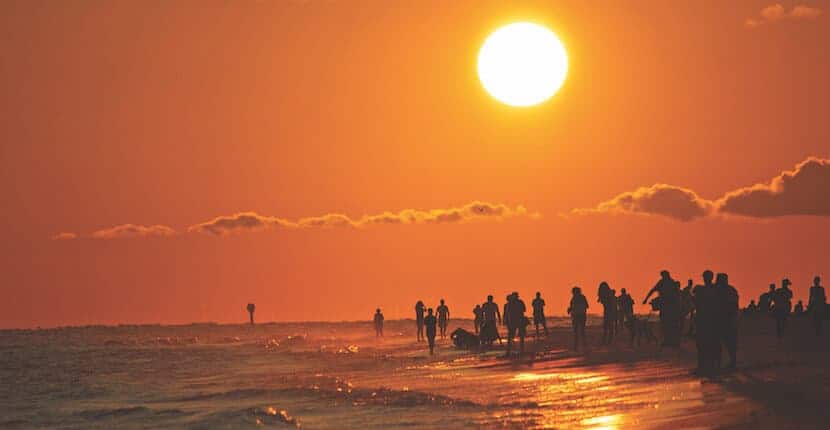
175,113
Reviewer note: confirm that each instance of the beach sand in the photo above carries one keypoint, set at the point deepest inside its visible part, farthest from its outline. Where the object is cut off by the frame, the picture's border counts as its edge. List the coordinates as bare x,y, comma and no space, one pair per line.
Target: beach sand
338,375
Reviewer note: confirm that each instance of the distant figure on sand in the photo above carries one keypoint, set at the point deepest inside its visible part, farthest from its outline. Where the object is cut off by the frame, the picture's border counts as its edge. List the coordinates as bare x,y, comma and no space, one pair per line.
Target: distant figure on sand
578,310
477,320
782,306
817,305
251,309
378,323
517,323
626,310
668,303
430,322
505,315
798,310
491,318
539,314
765,300
443,318
727,319
419,320
687,307
606,297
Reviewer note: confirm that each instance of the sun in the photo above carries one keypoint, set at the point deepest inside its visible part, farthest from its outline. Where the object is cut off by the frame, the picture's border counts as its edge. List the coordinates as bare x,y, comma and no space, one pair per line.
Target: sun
522,64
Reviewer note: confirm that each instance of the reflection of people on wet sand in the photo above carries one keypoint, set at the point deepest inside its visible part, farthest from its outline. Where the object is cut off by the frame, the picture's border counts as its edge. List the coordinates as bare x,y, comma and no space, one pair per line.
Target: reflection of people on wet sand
539,314
817,305
669,306
517,323
578,310
491,318
477,318
251,308
443,318
431,322
419,320
378,323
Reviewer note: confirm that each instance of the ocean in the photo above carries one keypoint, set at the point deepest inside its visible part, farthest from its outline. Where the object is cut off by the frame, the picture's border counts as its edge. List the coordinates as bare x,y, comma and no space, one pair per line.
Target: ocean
338,375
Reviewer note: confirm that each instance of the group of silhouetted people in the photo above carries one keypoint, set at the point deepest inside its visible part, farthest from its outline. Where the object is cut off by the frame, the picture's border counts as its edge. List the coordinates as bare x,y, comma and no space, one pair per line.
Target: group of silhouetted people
777,303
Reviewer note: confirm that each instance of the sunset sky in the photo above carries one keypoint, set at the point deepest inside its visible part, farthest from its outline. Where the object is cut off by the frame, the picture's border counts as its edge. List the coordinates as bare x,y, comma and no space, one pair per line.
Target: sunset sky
372,169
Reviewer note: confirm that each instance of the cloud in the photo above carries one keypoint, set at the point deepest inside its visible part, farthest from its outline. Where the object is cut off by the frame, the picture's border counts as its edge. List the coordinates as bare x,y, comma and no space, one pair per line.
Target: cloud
133,230
250,221
660,199
777,13
65,236
803,191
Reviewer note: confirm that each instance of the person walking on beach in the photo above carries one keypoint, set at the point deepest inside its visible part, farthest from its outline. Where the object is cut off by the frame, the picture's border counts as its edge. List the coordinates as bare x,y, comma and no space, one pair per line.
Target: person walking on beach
539,314
626,308
706,339
505,315
727,317
491,318
477,318
517,323
251,308
443,318
605,296
669,306
781,306
430,322
378,323
578,310
816,305
419,320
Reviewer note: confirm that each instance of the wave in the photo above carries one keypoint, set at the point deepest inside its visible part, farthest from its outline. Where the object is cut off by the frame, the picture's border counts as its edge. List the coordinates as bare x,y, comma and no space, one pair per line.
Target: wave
128,412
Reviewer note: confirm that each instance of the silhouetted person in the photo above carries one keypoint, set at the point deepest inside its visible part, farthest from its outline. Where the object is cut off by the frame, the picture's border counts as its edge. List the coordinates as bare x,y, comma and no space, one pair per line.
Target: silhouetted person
669,306
687,307
578,310
419,320
378,323
781,306
477,318
504,314
706,334
251,308
491,318
751,308
606,297
443,318
430,322
817,305
798,310
765,300
517,323
626,308
539,314
727,317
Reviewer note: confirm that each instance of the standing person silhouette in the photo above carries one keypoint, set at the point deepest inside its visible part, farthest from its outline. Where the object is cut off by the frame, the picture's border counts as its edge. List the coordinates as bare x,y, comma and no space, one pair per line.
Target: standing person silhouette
251,308
669,296
605,296
765,300
798,310
781,306
505,315
706,339
430,322
491,320
687,307
817,305
539,314
419,320
626,308
578,310
477,320
516,323
443,318
378,323
727,317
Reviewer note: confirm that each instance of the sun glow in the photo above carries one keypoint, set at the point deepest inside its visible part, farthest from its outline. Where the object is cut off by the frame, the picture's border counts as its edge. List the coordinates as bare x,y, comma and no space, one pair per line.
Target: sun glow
522,64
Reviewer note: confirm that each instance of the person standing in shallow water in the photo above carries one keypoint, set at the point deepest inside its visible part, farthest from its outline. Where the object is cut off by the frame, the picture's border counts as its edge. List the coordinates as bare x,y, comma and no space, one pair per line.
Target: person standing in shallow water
251,309
578,310
817,305
491,318
539,314
431,322
443,318
378,323
727,317
781,306
419,320
477,318
517,323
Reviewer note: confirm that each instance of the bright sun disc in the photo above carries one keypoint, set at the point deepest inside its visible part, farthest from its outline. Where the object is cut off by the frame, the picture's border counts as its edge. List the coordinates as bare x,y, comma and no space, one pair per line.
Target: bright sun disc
522,64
